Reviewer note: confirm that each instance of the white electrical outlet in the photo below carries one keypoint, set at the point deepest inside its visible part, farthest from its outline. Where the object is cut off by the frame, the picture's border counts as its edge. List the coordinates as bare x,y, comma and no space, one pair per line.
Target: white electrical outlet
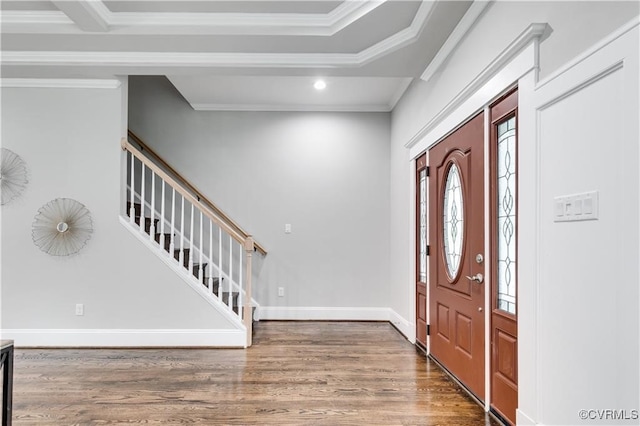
287,228
79,309
280,291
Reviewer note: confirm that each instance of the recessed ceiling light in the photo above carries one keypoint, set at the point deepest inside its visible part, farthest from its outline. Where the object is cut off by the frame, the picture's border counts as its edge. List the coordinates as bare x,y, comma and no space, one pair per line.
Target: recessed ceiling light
319,85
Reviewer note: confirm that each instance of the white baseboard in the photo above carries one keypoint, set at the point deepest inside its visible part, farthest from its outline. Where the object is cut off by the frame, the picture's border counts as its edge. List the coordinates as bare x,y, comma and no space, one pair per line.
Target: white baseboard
323,313
25,338
338,314
523,419
405,327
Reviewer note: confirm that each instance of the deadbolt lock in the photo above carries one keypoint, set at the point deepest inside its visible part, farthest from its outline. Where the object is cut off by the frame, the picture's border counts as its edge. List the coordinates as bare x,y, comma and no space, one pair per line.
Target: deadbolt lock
479,258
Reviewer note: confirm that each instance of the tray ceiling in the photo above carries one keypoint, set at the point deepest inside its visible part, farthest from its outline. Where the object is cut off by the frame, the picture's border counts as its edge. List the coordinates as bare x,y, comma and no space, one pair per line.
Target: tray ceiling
224,54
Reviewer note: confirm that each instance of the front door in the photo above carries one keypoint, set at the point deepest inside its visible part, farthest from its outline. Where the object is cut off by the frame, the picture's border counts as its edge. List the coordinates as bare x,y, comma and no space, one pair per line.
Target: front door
456,268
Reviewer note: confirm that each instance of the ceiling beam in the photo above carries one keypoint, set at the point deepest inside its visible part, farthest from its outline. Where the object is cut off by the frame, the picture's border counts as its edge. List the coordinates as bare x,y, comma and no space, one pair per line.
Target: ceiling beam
88,15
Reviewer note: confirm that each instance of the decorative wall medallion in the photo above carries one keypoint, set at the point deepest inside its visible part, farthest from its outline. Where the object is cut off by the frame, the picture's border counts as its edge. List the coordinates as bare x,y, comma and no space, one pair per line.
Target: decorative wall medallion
62,227
13,175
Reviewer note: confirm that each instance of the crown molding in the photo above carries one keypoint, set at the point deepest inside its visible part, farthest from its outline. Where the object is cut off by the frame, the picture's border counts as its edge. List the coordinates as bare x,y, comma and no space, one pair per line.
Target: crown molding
97,17
178,59
59,83
292,108
216,59
401,38
90,16
467,22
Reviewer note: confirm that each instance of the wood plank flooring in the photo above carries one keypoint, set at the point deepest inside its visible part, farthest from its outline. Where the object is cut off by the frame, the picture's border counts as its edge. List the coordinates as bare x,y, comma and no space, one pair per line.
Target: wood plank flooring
297,373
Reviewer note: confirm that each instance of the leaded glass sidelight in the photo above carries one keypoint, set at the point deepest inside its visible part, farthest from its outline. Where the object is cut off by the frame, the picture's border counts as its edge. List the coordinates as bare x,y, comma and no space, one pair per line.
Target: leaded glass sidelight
506,208
453,220
422,277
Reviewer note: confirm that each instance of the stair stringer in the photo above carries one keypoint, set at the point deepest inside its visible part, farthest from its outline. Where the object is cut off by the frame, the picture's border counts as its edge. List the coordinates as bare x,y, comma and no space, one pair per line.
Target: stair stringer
158,215
188,278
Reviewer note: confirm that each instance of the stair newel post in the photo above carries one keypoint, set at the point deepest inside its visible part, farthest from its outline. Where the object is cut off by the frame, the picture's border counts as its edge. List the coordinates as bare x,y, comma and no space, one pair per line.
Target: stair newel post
172,246
162,214
210,256
230,293
142,179
191,242
220,288
240,285
248,311
181,255
132,207
201,247
152,226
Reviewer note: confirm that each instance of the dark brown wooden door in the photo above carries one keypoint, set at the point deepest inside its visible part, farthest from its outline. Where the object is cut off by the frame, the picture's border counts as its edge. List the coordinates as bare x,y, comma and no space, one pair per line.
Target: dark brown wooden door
504,325
456,267
421,251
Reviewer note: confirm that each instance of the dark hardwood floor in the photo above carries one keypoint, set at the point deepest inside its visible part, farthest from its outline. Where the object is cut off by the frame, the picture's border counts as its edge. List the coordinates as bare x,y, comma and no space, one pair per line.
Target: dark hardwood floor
297,373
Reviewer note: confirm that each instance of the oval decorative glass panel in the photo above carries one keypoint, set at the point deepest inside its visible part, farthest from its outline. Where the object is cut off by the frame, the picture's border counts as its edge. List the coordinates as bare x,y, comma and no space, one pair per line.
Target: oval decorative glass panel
453,220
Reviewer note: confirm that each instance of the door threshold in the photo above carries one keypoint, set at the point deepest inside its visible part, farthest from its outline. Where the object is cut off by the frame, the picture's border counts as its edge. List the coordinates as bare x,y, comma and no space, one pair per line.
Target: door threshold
455,379
493,413
421,349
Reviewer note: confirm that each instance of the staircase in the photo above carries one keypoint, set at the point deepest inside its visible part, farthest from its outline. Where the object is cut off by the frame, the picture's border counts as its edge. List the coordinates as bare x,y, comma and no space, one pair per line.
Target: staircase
209,251
187,258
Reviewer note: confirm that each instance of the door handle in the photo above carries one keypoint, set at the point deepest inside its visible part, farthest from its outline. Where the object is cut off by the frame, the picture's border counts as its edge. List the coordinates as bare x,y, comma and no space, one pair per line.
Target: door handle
479,278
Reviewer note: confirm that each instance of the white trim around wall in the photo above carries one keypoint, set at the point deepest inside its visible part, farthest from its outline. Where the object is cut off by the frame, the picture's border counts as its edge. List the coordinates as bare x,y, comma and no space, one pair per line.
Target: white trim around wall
303,313
60,83
307,313
457,35
223,338
514,61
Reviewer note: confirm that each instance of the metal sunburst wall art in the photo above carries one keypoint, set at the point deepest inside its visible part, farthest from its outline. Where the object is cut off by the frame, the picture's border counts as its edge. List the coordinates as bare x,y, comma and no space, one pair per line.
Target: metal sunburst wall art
62,227
13,176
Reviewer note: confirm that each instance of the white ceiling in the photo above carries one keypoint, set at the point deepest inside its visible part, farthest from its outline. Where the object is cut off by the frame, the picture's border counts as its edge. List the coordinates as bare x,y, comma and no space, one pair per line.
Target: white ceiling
235,55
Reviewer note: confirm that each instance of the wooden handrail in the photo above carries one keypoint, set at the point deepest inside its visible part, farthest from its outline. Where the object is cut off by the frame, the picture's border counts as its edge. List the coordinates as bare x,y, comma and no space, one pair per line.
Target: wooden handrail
187,190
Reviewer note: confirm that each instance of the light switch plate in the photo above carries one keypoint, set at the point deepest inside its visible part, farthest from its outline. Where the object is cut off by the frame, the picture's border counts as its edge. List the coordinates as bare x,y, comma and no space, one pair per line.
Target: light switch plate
577,207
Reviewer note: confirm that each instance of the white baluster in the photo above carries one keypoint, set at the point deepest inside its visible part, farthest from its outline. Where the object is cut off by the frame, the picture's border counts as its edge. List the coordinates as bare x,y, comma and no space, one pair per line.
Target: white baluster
152,226
181,255
172,246
191,243
201,247
211,256
142,179
132,208
162,214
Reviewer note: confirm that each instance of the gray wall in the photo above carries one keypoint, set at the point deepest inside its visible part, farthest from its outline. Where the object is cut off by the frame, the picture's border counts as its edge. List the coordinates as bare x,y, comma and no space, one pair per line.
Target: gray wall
70,141
326,174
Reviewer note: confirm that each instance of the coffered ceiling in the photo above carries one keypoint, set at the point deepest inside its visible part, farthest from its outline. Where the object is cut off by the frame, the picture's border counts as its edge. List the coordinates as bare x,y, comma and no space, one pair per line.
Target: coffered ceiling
236,55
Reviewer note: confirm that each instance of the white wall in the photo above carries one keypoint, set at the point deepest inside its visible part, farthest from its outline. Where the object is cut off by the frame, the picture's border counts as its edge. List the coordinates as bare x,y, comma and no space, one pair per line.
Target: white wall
326,174
582,277
576,26
70,141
